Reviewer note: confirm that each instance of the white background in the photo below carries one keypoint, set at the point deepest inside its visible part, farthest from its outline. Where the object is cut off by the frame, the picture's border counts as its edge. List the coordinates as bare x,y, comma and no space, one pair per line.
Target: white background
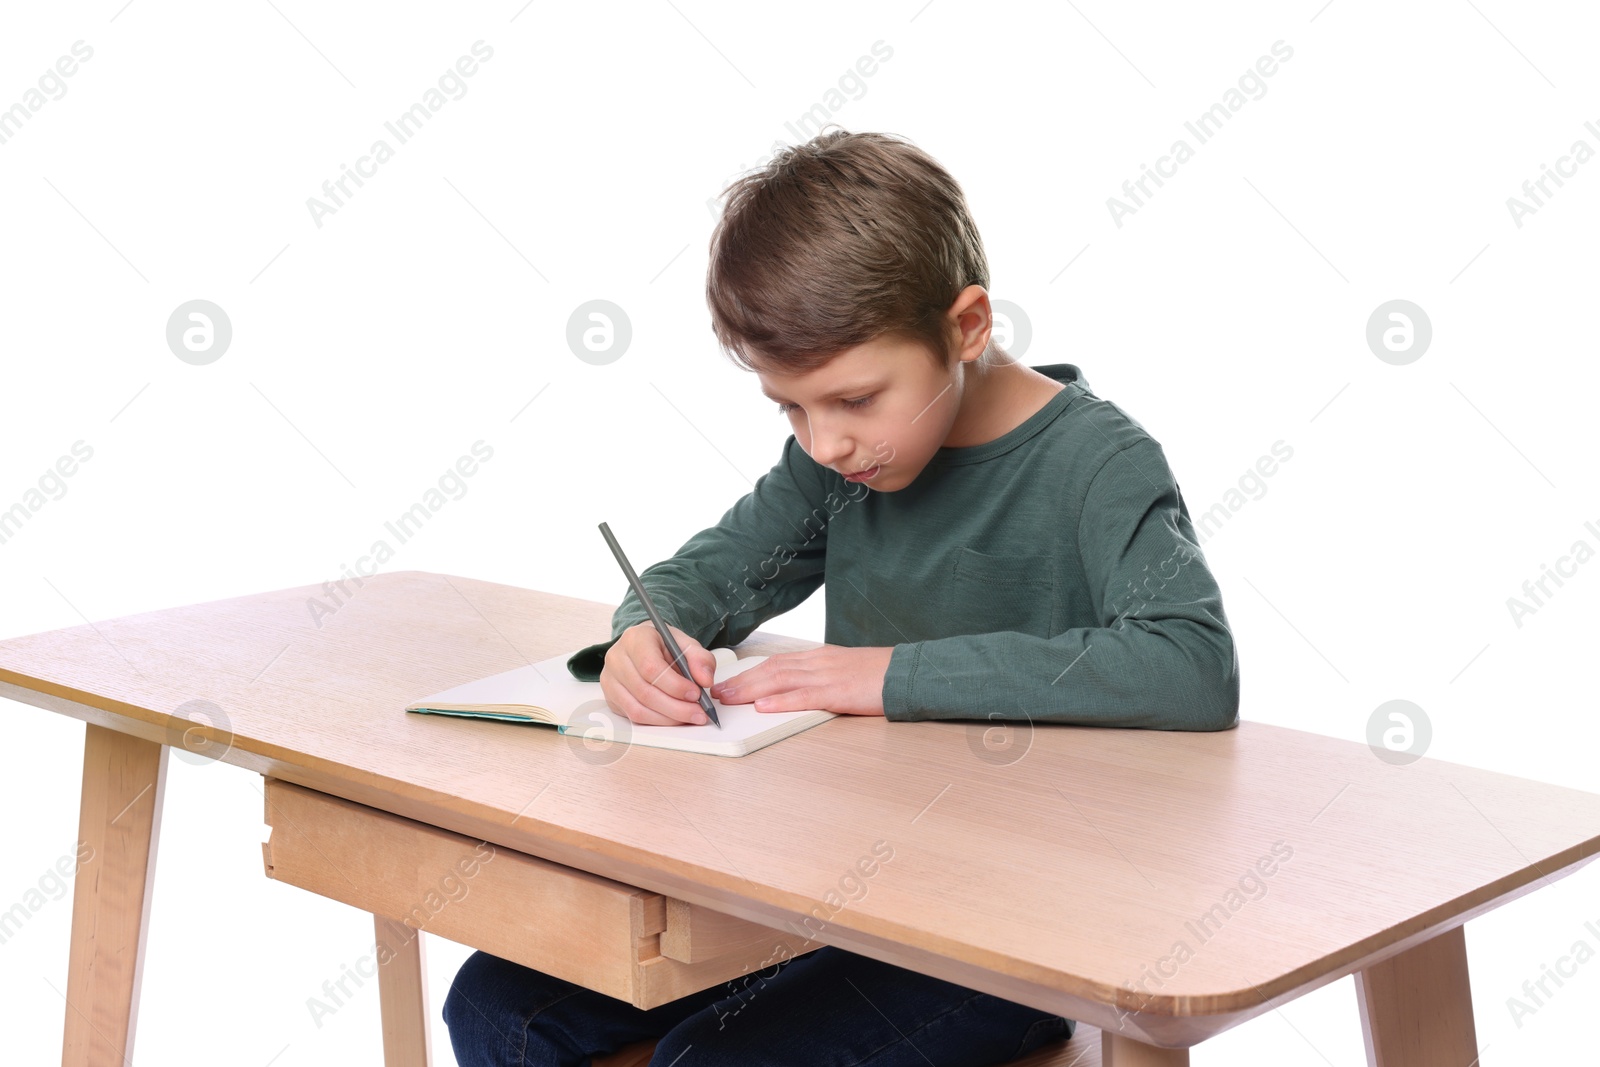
430,312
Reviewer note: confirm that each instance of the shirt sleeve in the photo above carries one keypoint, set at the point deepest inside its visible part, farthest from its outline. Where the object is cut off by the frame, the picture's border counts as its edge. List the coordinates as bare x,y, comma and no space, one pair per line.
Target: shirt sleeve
762,558
1161,657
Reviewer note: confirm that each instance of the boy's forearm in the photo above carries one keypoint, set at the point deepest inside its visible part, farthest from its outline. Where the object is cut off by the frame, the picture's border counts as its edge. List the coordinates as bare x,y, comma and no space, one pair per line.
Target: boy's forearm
762,558
689,603
1171,674
586,663
686,593
691,616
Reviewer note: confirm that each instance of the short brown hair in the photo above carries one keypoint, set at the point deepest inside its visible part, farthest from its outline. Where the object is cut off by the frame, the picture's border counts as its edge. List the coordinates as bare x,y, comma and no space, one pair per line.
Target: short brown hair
835,242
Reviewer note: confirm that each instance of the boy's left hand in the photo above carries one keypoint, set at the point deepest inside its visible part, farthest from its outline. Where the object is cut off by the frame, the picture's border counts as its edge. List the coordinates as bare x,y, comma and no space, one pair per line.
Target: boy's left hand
837,678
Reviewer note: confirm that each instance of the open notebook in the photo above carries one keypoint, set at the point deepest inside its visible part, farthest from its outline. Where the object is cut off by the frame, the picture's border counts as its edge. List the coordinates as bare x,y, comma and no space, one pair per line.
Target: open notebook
546,693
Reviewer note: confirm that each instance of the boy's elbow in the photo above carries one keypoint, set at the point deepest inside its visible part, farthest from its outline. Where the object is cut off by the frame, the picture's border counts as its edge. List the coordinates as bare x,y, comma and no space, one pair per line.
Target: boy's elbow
1222,707
1222,711
1209,670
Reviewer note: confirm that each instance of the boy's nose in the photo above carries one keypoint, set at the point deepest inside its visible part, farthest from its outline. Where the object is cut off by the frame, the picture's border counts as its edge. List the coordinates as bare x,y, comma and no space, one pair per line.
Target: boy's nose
831,449
828,447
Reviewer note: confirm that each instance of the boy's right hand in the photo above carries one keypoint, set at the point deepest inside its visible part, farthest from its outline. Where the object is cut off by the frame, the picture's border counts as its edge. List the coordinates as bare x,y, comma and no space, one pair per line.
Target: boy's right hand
641,682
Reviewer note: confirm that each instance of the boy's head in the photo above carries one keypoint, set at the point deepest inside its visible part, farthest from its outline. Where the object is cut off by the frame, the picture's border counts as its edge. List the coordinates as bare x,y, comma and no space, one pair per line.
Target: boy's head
852,260
835,242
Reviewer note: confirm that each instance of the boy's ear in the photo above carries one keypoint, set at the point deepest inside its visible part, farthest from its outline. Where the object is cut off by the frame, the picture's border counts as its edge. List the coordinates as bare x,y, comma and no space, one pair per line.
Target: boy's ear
972,322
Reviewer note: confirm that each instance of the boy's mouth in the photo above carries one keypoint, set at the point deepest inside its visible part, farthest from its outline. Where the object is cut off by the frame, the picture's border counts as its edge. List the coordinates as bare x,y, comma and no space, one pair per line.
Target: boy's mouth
861,476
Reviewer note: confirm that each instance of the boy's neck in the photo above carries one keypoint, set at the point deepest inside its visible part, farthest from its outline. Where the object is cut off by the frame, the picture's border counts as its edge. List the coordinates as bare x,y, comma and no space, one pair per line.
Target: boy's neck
997,396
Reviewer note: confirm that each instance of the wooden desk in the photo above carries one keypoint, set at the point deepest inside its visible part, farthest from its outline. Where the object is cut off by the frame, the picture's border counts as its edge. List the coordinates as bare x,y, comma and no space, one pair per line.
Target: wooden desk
1160,886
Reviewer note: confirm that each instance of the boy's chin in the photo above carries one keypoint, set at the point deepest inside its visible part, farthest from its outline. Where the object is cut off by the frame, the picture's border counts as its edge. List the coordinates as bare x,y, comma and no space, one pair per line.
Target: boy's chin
887,482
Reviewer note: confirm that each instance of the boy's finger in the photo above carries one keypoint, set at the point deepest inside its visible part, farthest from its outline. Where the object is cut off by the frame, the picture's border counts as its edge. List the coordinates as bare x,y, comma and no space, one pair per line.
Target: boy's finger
706,668
643,716
663,695
627,705
655,682
702,664
674,712
673,681
657,667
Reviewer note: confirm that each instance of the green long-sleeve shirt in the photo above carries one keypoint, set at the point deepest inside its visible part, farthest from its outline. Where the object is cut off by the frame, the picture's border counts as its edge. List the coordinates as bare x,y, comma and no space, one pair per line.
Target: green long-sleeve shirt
1051,574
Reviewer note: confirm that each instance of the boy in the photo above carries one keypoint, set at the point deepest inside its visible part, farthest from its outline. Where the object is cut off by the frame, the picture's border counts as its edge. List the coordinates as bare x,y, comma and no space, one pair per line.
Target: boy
998,543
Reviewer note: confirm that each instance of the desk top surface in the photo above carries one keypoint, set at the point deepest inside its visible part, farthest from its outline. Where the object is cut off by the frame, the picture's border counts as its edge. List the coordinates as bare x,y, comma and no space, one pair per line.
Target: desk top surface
1175,875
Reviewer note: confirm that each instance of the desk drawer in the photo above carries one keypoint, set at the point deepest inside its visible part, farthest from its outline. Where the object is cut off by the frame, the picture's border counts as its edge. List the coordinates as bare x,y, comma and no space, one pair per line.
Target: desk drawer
620,940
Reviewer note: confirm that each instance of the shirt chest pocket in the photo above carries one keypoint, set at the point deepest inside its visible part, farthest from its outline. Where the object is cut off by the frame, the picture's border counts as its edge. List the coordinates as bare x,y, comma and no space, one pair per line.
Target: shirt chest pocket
1011,592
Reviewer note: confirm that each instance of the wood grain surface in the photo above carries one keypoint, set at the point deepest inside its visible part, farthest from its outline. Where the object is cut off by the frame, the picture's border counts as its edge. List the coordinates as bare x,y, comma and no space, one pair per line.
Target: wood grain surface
1163,885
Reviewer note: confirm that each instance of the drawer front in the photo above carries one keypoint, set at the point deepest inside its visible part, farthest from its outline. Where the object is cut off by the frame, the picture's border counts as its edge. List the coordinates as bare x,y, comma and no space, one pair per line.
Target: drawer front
601,934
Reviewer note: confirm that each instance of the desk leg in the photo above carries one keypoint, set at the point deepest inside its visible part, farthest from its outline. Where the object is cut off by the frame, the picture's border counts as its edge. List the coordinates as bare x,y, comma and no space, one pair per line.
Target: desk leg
119,818
1119,1051
1416,1008
403,995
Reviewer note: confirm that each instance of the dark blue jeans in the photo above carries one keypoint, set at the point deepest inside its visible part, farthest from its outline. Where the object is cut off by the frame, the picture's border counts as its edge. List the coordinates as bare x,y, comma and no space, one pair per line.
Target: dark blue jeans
826,1008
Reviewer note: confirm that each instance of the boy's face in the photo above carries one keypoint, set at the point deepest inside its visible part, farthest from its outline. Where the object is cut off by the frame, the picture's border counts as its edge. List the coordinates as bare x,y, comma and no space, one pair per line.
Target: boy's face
875,413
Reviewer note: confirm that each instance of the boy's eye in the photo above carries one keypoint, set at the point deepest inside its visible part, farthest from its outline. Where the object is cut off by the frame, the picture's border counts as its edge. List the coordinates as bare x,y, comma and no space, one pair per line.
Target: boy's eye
858,402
